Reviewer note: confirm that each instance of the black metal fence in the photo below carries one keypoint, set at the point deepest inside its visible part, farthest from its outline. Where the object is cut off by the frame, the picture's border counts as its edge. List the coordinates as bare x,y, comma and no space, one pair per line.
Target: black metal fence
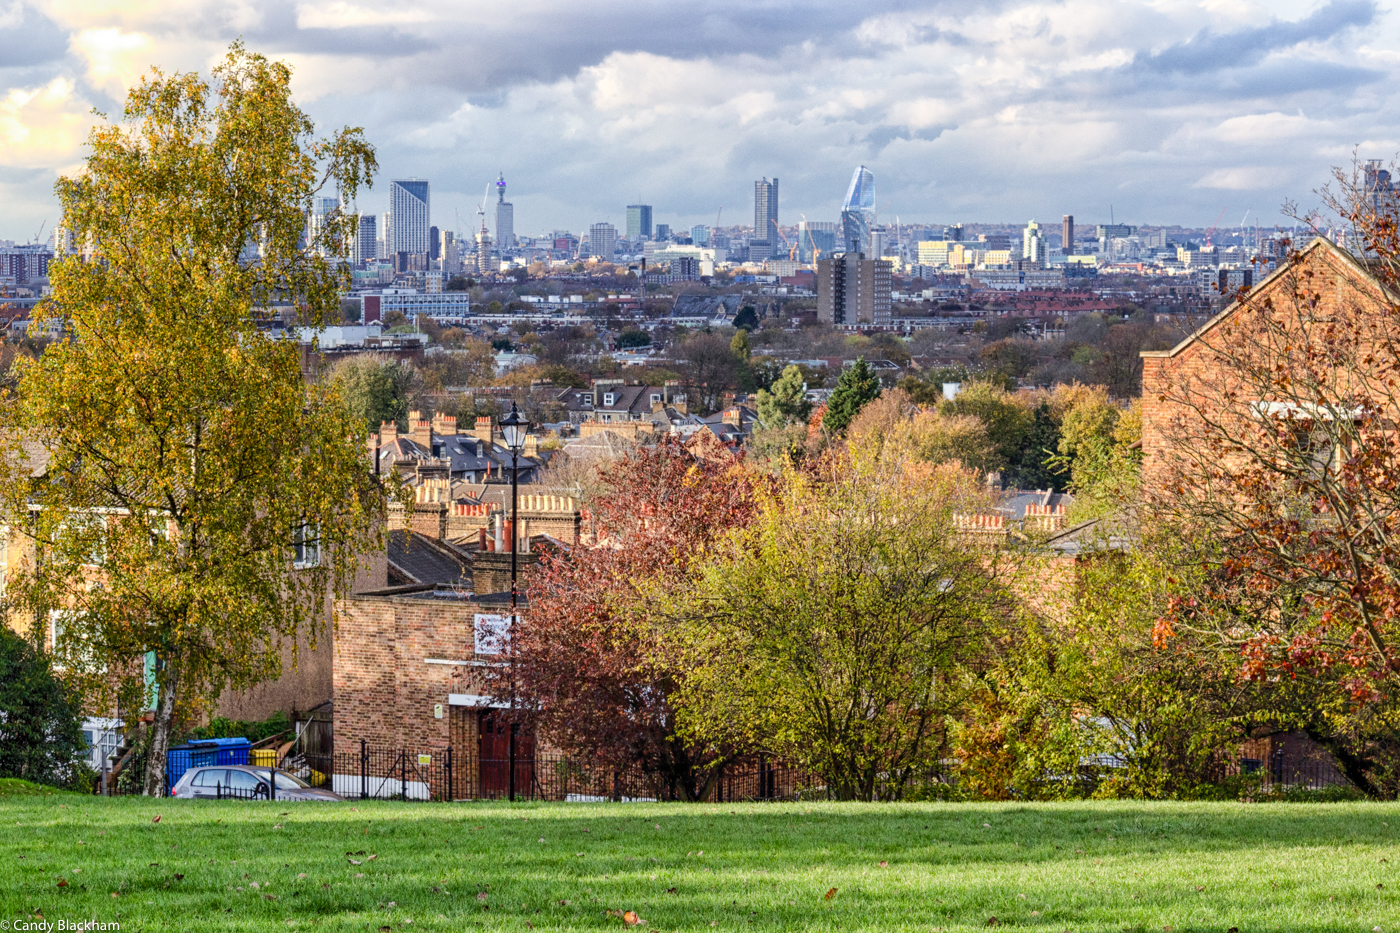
382,772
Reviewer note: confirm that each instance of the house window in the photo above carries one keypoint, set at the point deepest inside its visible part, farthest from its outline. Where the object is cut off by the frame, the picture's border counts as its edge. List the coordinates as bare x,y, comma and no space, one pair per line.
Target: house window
609,399
655,397
306,546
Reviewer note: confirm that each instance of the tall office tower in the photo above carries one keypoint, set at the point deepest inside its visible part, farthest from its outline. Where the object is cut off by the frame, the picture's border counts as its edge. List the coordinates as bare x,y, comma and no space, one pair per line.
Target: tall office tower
386,235
366,239
484,252
434,243
1067,234
663,231
321,208
408,202
877,244
954,232
858,211
853,290
505,216
816,238
602,241
765,216
639,221
1033,244
700,235
451,263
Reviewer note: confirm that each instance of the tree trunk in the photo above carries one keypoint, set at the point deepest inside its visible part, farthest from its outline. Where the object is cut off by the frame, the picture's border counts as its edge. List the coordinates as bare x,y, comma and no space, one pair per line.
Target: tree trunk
167,678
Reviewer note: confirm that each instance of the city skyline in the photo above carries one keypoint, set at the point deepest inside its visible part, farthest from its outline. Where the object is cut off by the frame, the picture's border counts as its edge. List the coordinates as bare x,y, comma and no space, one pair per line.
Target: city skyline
1158,113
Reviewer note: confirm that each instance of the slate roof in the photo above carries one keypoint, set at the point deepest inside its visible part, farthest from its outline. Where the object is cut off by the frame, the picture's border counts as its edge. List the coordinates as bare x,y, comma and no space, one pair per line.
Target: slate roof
418,558
469,455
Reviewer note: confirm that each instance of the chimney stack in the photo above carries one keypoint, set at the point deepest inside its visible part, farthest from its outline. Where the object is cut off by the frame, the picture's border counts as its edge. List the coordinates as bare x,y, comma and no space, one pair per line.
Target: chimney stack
388,433
421,430
483,430
445,425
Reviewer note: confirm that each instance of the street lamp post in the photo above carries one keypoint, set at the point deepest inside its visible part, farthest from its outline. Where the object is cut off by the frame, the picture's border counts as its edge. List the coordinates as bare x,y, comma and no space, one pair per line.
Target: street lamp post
513,430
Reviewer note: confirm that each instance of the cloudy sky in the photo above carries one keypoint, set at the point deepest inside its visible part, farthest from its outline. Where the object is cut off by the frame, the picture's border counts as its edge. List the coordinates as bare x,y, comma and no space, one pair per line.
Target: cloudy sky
1164,111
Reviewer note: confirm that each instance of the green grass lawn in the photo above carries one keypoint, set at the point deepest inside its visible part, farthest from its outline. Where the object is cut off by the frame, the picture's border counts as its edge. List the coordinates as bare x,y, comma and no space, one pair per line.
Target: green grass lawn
1083,866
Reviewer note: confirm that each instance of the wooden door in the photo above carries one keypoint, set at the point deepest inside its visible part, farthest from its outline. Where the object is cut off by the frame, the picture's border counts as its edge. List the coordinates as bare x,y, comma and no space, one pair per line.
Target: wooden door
493,757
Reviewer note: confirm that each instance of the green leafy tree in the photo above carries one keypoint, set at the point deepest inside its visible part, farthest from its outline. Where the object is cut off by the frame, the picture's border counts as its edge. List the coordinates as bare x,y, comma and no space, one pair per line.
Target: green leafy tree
837,627
786,403
200,501
41,737
856,387
377,389
1007,420
739,345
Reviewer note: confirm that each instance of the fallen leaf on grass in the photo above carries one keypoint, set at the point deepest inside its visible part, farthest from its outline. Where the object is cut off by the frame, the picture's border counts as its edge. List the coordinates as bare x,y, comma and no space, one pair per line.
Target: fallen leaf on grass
630,917
179,877
62,882
884,864
356,862
1200,887
992,921
481,895
670,890
563,903
830,894
156,818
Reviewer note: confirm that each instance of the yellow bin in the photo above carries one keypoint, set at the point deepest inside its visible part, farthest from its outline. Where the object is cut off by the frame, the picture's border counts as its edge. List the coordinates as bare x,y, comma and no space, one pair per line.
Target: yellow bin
263,758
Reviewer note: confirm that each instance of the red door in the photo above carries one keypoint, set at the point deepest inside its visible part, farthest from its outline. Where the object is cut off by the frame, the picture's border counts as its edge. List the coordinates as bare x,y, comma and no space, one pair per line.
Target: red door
493,757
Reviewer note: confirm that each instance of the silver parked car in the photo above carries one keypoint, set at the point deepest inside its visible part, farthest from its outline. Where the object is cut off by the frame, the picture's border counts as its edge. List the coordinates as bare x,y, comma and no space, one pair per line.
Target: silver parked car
246,782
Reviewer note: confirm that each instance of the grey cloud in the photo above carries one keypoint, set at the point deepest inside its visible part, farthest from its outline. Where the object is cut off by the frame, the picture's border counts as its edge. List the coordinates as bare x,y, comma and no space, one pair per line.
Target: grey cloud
35,40
1208,51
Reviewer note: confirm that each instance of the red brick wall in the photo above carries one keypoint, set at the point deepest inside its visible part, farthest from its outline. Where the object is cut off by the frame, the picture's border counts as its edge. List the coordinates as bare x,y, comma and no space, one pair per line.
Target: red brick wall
385,692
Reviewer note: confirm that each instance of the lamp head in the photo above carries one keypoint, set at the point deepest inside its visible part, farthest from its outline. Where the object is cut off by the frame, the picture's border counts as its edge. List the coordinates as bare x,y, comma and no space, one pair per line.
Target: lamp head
513,428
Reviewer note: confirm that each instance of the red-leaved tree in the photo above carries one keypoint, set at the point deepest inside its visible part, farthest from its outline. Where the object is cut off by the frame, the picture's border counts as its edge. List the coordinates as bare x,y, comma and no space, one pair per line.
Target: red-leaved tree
592,666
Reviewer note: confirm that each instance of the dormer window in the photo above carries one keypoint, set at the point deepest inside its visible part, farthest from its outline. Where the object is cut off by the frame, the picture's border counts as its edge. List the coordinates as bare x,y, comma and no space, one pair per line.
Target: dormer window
609,398
655,397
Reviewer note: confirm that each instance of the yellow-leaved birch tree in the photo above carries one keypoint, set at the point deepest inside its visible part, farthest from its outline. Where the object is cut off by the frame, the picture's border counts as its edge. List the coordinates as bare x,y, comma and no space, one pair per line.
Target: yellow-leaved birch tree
201,502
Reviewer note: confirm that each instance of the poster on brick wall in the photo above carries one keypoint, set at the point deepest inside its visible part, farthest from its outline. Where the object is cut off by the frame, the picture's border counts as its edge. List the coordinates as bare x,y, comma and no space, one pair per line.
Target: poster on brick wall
492,633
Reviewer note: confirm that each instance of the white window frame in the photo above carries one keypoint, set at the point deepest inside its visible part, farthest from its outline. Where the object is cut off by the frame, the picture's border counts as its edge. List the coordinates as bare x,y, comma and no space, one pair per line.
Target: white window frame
306,552
609,399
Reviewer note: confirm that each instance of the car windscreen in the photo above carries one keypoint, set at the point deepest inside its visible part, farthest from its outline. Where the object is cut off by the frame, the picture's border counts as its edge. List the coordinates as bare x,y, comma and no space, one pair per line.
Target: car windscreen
286,781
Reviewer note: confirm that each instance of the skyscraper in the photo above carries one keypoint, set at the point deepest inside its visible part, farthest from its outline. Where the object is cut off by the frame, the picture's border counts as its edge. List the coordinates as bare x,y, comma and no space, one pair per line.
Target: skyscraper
765,217
386,235
505,216
1067,234
408,202
663,231
700,235
638,221
434,243
367,239
1033,244
858,211
602,240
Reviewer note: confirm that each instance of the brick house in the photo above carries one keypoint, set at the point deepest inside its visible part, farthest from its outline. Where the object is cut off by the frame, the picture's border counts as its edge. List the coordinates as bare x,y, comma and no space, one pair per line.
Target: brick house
1173,430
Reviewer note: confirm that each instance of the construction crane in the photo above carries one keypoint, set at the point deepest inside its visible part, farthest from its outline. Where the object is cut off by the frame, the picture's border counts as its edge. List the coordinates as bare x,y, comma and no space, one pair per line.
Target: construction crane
1214,225
815,252
790,244
41,230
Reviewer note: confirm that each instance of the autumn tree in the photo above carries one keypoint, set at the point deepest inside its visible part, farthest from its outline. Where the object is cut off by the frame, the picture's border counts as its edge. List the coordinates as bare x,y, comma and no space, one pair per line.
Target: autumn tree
198,501
594,662
1278,459
836,628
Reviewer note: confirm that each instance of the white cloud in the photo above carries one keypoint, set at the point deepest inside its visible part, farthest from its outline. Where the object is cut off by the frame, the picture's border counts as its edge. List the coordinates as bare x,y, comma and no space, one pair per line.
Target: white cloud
994,111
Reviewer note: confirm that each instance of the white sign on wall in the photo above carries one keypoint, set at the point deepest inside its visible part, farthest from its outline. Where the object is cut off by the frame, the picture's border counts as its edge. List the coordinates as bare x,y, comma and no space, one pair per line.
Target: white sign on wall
492,633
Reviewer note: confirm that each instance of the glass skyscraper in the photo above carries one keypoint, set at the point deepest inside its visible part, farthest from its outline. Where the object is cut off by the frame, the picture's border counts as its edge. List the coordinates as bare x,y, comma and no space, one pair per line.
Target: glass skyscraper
638,221
408,203
858,211
765,218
